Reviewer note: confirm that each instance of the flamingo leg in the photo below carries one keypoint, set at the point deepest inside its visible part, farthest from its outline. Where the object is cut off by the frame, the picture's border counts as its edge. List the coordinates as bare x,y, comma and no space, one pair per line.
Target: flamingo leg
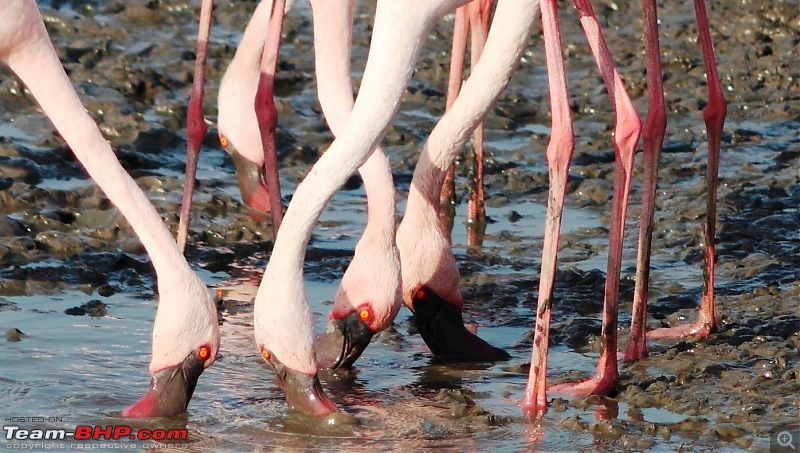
479,16
267,114
559,154
195,123
627,129
448,196
714,117
652,138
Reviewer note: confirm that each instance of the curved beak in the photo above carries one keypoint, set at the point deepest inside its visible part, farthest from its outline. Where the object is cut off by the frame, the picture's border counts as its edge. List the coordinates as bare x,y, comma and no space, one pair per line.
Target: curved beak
170,391
252,182
342,342
303,392
441,325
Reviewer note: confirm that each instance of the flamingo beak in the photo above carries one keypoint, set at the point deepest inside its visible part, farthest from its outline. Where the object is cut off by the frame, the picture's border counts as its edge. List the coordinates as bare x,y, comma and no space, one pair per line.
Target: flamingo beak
170,390
342,342
252,182
441,325
303,391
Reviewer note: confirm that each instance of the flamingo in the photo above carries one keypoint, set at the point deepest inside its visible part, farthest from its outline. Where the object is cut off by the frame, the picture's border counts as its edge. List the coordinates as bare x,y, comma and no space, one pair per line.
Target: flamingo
430,274
247,116
283,327
369,296
185,334
361,307
626,133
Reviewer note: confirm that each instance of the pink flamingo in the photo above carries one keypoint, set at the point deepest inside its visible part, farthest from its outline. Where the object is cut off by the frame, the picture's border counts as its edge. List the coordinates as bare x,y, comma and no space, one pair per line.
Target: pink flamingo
369,296
247,115
283,327
430,275
185,333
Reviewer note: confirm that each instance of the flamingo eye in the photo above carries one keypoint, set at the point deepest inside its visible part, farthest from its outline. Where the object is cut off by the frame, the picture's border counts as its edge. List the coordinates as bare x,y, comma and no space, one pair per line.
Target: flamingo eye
223,141
204,352
421,293
265,353
364,315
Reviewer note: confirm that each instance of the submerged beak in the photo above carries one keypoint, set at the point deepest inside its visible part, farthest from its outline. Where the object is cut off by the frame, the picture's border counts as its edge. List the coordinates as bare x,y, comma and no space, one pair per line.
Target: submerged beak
342,342
252,182
170,391
442,327
303,392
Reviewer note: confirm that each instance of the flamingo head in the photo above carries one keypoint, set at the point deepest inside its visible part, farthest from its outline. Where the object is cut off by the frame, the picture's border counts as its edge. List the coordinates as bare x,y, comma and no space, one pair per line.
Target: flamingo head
251,177
283,329
366,303
303,391
441,325
186,341
431,287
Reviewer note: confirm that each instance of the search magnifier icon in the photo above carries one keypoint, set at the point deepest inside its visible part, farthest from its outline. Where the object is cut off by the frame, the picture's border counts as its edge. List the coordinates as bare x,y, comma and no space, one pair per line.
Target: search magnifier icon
785,439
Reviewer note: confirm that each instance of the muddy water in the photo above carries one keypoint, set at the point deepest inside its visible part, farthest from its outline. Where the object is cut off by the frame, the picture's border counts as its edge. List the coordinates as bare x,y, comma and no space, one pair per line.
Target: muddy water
63,246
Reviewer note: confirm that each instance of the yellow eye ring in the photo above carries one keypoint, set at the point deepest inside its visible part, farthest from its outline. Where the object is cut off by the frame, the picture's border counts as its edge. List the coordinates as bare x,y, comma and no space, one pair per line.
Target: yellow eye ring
204,353
223,141
265,353
364,315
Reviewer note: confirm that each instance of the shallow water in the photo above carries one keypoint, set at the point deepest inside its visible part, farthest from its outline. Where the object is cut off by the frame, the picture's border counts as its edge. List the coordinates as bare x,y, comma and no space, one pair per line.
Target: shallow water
84,370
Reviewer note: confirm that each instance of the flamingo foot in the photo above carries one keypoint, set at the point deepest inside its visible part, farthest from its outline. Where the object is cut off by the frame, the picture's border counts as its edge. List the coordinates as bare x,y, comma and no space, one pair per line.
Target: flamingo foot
600,384
534,408
701,328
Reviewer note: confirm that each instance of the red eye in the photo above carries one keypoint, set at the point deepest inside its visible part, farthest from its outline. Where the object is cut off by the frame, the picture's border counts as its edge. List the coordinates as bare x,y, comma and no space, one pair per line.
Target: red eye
204,352
266,354
421,293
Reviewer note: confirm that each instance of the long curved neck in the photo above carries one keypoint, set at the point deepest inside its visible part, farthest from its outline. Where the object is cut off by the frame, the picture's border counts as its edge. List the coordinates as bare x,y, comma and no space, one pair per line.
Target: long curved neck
36,63
513,21
396,44
332,44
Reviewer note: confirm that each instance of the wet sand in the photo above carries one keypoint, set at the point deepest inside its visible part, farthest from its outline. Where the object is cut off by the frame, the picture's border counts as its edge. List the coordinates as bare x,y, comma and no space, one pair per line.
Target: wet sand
132,62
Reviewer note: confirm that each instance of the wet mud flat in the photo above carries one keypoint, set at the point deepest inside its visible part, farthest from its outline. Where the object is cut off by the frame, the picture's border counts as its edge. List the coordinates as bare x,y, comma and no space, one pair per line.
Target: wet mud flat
78,288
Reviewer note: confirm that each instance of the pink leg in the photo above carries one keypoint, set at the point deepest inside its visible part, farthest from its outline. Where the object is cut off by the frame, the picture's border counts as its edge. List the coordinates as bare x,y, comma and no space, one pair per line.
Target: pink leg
714,116
652,138
627,129
447,197
267,114
195,123
559,153
479,16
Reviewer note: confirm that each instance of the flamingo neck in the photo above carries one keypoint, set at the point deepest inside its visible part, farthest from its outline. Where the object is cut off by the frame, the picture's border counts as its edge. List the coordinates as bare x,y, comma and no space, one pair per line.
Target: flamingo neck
236,117
37,64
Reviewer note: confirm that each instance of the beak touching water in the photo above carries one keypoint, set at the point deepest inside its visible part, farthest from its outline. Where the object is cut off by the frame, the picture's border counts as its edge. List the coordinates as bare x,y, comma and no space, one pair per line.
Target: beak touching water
170,390
441,325
342,342
303,392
